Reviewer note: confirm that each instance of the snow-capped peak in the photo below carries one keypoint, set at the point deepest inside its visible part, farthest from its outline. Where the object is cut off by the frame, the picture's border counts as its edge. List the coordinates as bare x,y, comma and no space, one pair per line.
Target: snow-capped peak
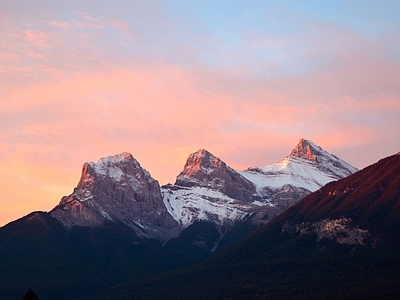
114,166
308,167
118,159
117,188
326,162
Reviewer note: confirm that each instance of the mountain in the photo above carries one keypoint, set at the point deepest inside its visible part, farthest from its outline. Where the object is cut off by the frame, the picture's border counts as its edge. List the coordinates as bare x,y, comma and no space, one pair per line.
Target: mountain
237,202
109,229
340,242
117,188
307,168
39,252
213,205
118,223
204,170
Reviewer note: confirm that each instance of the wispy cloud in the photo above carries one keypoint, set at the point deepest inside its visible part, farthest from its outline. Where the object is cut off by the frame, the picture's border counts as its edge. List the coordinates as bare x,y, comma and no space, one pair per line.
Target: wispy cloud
87,21
38,38
118,24
58,24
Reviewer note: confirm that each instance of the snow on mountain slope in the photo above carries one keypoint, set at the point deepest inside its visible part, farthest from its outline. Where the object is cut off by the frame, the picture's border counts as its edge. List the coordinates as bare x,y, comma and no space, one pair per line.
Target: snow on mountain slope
307,168
189,204
295,171
208,189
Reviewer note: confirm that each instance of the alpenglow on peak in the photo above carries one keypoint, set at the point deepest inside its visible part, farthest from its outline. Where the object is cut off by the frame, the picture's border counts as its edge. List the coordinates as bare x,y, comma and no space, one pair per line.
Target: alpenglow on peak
306,149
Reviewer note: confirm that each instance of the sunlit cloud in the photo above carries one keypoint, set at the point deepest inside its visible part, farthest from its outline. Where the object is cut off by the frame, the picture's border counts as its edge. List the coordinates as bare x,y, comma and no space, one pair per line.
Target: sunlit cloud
38,38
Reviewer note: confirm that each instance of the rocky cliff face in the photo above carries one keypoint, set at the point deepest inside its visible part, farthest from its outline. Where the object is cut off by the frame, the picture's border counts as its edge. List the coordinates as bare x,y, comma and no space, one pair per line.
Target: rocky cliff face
202,169
117,189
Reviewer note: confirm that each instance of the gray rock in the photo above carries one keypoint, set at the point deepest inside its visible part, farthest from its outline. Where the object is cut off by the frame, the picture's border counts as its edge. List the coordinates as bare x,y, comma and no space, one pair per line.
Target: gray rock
202,169
117,189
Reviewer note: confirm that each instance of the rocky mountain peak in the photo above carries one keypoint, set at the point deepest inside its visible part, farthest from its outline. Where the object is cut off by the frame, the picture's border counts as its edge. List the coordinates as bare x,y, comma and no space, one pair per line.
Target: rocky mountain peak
203,169
306,149
121,168
201,161
117,188
323,160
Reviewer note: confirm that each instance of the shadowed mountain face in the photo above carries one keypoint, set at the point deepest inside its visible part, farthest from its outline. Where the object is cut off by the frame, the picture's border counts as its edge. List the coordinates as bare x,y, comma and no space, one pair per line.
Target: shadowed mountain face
341,242
38,252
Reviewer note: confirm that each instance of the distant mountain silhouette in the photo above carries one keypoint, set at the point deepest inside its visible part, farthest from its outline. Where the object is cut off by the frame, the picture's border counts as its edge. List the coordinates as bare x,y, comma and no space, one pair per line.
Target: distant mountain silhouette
30,295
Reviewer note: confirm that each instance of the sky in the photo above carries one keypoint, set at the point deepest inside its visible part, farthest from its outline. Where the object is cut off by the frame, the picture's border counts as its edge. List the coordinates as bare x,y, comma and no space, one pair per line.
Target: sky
246,80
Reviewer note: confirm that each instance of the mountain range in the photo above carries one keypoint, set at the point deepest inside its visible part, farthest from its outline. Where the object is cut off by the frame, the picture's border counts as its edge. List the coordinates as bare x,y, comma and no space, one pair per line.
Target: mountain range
340,242
118,223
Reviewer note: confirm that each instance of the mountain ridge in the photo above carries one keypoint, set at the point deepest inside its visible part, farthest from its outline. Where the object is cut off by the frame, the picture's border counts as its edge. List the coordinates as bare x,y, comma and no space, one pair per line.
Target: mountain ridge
118,188
118,223
340,242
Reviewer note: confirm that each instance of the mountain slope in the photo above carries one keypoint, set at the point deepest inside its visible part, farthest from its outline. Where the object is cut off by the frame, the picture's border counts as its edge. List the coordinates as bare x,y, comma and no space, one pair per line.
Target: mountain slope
39,252
36,253
311,251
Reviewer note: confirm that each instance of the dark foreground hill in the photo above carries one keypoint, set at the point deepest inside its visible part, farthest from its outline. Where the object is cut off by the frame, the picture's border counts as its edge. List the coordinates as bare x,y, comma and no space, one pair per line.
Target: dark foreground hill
38,252
341,242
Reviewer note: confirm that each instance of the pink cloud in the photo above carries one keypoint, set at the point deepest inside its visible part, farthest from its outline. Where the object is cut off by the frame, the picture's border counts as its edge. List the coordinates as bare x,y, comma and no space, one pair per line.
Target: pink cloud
118,24
58,24
34,55
38,38
162,113
7,56
87,21
83,102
